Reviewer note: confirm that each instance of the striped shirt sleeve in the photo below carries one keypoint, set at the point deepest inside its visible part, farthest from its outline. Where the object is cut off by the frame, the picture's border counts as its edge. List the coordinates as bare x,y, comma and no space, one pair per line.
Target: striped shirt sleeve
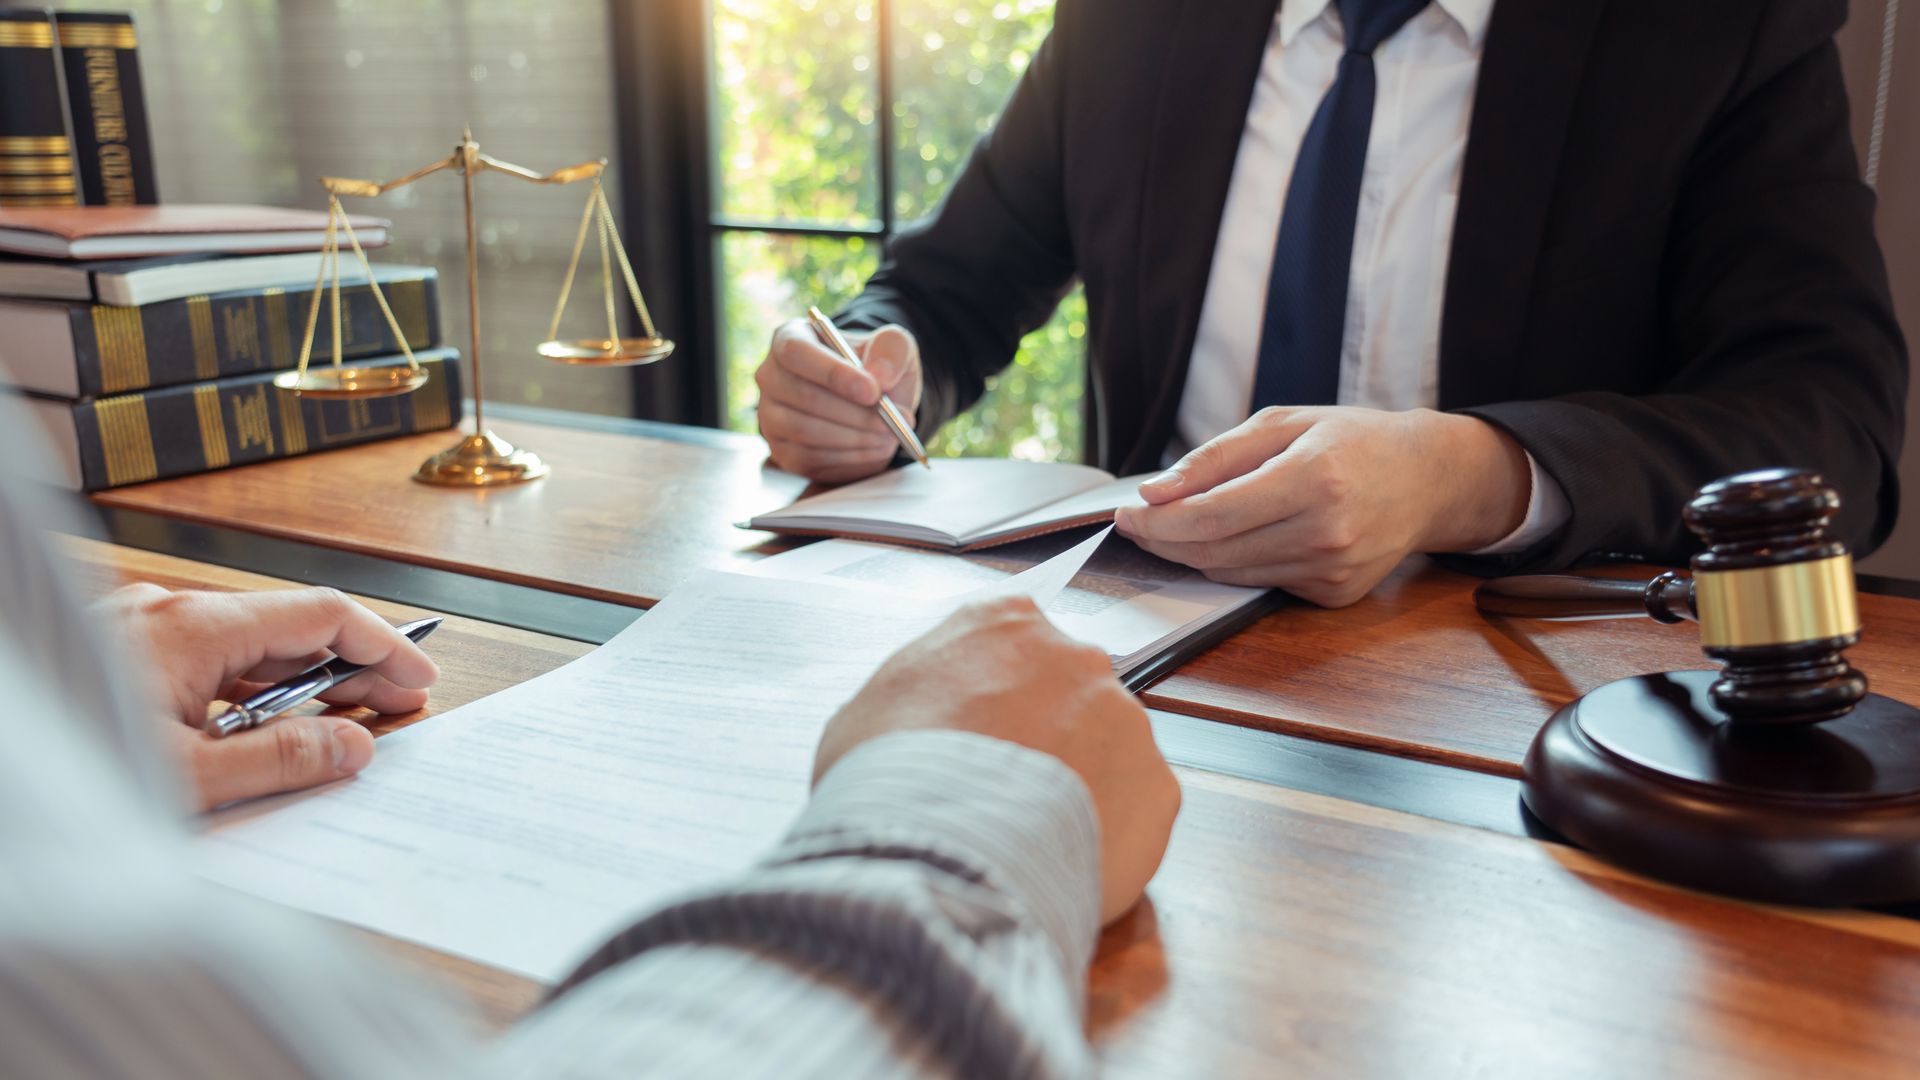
931,913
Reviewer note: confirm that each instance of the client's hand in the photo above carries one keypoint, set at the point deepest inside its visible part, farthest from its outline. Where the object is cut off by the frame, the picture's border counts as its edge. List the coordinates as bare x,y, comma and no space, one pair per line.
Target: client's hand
817,413
1001,669
204,647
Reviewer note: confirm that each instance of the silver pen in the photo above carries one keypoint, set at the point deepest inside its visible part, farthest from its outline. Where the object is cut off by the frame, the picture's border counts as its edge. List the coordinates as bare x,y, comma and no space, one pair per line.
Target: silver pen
301,688
829,335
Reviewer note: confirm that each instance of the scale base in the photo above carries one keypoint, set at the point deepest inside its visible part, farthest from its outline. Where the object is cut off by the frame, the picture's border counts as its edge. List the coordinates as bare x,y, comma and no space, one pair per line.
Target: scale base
1647,772
481,460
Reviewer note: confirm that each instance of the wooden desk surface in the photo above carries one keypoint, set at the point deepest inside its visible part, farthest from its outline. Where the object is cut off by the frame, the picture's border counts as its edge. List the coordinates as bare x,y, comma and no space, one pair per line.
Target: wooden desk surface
1300,933
1412,670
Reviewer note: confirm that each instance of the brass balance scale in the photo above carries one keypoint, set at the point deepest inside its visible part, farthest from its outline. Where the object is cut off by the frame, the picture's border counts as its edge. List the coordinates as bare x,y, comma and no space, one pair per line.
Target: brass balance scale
482,459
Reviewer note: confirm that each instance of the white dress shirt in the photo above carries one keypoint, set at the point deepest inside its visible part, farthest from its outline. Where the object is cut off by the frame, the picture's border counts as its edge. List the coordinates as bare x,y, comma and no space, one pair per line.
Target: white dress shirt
1390,358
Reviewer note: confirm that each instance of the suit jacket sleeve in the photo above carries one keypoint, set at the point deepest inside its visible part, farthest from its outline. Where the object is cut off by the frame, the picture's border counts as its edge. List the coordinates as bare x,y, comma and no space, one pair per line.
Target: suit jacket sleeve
996,259
1777,312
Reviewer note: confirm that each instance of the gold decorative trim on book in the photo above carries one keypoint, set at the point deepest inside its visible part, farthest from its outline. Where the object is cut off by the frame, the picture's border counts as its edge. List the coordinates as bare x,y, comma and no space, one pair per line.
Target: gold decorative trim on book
39,200
26,35
408,298
110,35
36,185
35,144
122,344
125,441
293,424
430,405
213,426
206,357
36,166
279,336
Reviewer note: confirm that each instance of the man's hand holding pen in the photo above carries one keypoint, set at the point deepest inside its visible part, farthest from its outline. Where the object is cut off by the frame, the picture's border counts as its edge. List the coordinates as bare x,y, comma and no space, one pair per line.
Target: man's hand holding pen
204,647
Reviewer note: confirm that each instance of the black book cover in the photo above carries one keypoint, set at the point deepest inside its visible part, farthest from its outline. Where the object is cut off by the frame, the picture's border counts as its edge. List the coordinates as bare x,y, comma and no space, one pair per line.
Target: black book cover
111,139
122,349
204,426
36,157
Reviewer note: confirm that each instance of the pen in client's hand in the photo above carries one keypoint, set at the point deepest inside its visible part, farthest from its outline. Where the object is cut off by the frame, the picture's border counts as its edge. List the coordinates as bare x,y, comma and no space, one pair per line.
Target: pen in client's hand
830,336
303,687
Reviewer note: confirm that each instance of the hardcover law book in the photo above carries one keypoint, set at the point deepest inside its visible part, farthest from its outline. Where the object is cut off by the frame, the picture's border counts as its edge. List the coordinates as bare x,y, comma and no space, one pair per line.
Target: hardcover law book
107,442
37,166
112,143
133,282
85,350
135,232
959,504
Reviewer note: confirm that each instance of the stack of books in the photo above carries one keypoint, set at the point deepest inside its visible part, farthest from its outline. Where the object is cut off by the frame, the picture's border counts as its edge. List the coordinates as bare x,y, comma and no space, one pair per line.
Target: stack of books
146,338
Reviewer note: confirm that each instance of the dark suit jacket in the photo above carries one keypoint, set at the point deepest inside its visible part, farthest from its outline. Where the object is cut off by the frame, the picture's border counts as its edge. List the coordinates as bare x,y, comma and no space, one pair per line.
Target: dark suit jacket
1663,268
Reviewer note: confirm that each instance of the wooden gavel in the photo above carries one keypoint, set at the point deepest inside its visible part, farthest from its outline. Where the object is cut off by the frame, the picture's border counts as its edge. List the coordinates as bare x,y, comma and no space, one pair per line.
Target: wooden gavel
1773,594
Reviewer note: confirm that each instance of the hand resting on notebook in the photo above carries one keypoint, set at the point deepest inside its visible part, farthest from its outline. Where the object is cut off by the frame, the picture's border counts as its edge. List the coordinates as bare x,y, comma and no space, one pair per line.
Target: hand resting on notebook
1324,502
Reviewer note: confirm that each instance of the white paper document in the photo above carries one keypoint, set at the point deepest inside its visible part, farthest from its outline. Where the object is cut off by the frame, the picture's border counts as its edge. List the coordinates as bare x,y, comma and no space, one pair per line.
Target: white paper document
1128,602
523,829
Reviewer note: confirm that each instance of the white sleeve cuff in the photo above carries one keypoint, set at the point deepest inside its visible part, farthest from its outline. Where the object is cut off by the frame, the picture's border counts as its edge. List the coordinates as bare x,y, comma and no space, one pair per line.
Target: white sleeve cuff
1547,511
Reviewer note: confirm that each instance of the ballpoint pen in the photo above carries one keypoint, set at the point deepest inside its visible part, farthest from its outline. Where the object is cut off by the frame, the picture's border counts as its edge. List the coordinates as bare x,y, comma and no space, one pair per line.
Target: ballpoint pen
829,334
303,687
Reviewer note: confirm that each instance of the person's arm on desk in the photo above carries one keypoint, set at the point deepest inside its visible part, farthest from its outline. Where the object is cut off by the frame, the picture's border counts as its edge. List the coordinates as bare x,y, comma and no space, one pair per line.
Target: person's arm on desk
932,912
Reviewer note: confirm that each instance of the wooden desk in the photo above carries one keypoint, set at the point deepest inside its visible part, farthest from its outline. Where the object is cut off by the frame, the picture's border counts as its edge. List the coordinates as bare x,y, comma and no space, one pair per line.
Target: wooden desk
1289,932
1413,670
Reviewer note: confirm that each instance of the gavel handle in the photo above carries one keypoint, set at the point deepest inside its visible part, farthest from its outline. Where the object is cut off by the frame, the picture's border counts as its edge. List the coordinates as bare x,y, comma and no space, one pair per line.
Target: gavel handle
1667,598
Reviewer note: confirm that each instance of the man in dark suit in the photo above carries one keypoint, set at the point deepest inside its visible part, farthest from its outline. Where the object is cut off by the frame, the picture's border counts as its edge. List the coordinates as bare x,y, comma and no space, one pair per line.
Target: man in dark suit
1496,278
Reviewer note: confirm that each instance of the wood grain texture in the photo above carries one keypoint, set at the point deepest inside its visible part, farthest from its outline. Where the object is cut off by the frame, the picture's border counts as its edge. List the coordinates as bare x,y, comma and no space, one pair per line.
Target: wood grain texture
623,518
1290,933
1415,670
1411,670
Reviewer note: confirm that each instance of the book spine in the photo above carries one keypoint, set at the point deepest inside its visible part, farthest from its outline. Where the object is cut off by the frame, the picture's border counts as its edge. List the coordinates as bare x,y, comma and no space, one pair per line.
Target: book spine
184,430
123,349
112,141
37,166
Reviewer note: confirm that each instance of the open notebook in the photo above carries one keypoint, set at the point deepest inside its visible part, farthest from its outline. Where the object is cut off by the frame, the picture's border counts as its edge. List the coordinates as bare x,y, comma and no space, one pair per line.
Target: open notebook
959,504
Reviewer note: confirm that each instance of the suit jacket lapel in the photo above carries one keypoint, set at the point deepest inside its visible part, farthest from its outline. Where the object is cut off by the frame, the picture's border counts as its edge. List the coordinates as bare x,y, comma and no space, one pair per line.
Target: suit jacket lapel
1206,86
1530,75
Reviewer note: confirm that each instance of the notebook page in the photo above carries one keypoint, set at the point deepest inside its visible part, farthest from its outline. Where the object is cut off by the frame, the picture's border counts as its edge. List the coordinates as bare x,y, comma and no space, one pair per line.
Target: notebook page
957,498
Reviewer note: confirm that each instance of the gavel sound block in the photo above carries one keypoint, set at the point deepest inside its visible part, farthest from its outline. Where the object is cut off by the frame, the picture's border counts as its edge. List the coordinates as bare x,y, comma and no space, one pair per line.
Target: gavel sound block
1778,777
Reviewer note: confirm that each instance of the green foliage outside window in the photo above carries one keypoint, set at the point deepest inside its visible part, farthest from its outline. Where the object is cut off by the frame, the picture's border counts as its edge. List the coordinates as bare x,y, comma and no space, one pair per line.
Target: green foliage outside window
795,99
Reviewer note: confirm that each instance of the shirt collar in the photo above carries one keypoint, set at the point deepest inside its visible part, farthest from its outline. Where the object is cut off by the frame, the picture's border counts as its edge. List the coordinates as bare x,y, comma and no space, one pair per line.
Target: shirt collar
1471,15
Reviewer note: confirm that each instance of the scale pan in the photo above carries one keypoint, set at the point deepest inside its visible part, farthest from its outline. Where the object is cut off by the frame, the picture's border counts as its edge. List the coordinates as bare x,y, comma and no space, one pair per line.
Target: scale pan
599,352
352,382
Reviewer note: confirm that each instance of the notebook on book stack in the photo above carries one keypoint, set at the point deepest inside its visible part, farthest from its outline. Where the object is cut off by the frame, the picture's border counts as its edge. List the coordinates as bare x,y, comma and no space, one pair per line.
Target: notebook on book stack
179,381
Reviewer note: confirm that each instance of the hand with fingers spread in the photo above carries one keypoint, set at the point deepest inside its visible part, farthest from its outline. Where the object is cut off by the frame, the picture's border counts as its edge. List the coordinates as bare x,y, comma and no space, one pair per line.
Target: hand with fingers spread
818,413
1325,501
204,647
999,668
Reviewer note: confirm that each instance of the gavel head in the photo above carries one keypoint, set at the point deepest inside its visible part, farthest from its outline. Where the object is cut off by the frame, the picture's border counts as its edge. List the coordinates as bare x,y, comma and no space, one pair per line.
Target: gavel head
1776,598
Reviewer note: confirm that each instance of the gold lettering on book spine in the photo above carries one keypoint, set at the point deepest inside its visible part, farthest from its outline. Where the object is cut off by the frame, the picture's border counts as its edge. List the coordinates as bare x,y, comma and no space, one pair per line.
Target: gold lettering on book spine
206,355
251,421
125,440
213,426
122,344
409,301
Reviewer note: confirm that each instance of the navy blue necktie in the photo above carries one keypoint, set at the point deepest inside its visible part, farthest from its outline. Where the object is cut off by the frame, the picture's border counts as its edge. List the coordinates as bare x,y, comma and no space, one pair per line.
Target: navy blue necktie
1307,289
